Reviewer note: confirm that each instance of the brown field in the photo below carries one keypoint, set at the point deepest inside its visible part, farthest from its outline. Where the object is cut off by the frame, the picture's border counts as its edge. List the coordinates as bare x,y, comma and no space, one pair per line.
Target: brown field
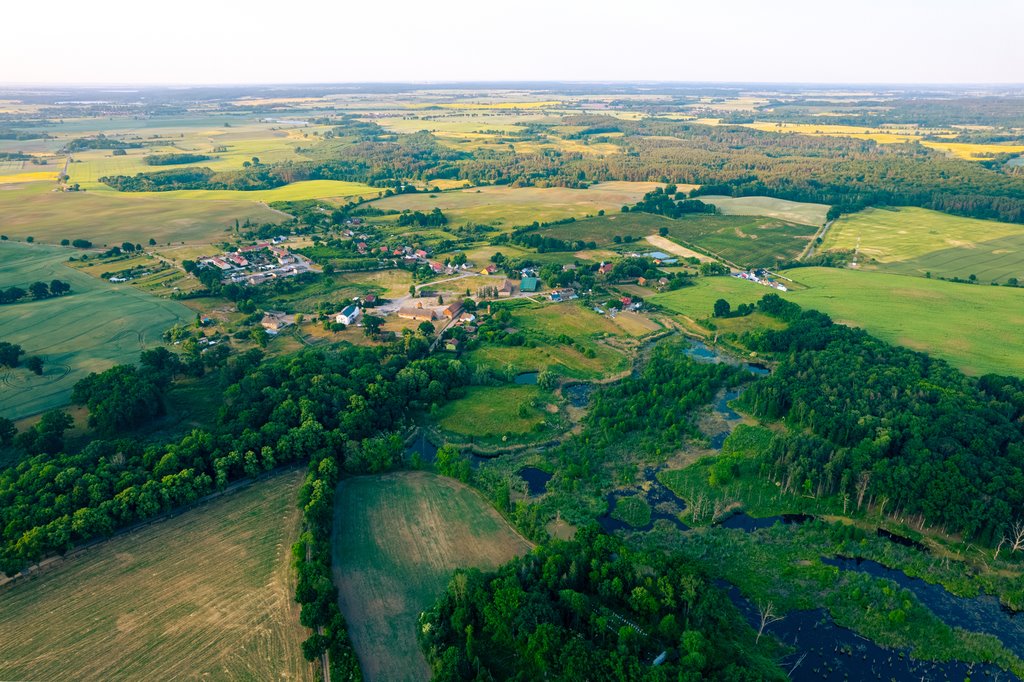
206,595
398,537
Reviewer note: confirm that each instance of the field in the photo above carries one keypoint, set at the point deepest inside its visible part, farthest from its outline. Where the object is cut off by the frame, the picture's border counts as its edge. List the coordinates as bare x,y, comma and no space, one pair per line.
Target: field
501,206
603,229
95,327
799,212
916,241
398,537
206,595
975,328
33,210
491,411
748,241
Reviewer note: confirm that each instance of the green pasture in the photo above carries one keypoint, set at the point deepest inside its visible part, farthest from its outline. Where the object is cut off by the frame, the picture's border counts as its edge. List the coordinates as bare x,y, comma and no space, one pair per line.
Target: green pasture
33,210
917,241
974,327
502,206
748,241
603,229
491,411
95,327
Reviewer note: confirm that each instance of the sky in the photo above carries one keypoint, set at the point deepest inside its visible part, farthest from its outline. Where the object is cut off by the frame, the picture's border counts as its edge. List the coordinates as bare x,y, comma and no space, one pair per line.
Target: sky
318,41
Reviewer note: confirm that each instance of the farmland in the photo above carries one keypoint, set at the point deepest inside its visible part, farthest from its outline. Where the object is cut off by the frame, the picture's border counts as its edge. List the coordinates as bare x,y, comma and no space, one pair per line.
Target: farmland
398,537
207,594
748,241
95,327
509,207
972,327
793,211
916,241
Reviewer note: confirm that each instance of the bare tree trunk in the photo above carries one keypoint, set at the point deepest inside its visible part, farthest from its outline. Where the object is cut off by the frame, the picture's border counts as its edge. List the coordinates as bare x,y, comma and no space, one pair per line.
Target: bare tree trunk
862,487
767,612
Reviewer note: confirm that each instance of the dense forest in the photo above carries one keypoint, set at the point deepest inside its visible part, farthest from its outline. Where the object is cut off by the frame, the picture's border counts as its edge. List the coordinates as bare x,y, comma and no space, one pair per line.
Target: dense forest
593,609
889,427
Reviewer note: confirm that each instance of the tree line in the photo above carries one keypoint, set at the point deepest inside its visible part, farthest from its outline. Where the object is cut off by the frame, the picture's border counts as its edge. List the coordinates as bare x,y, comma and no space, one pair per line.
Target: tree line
37,290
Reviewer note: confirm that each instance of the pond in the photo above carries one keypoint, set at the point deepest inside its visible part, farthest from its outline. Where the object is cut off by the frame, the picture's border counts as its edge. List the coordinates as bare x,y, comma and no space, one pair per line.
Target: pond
978,614
701,352
578,395
664,504
748,523
827,651
536,480
526,378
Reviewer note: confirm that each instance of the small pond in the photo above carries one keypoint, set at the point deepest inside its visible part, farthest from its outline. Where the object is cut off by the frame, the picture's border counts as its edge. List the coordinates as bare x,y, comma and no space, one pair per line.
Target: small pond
578,395
526,378
664,504
748,523
536,480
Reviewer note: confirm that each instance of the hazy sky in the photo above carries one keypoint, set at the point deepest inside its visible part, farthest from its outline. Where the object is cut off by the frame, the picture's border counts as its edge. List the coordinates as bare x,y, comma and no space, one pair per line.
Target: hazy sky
239,41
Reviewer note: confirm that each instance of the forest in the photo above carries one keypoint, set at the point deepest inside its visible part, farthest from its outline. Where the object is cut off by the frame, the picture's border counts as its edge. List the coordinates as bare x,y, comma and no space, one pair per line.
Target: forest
590,609
889,427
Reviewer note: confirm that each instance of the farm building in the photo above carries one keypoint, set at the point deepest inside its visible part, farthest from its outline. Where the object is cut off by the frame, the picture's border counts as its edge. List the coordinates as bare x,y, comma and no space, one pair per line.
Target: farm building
529,284
417,313
452,310
451,344
506,289
349,315
275,320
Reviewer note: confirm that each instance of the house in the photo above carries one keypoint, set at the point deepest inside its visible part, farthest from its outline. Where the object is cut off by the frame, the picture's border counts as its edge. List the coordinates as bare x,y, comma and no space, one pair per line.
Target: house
238,260
370,299
275,320
349,315
220,263
506,289
452,310
417,313
568,267
257,278
626,301
361,246
642,281
605,268
451,344
489,270
419,253
436,267
467,317
529,284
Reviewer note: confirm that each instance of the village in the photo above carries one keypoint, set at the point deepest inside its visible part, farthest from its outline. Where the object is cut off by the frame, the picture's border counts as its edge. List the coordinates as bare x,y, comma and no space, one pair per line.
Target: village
259,263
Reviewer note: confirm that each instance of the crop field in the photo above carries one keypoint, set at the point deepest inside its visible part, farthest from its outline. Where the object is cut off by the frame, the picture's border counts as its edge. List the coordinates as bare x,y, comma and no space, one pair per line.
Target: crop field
973,152
603,229
32,209
975,328
881,135
510,207
398,538
799,212
297,191
208,594
916,241
749,241
95,327
492,411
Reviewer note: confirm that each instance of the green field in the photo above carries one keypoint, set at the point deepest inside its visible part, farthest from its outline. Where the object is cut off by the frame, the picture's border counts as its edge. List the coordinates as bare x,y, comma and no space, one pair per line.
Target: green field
748,241
976,328
513,206
602,229
398,538
33,210
491,411
916,241
95,327
799,212
206,595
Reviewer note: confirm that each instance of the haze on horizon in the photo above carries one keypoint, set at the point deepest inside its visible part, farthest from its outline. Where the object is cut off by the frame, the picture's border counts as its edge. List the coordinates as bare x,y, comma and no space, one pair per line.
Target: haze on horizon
798,41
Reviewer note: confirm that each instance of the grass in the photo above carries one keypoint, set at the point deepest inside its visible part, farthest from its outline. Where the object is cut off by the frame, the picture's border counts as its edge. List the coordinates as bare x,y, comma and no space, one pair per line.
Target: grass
632,510
32,209
296,191
916,241
398,538
95,327
603,229
749,241
492,411
973,327
802,213
514,206
207,594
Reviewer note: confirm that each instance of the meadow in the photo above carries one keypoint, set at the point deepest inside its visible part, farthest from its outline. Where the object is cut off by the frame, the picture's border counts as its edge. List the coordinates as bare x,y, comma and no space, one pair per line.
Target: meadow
973,327
95,327
397,540
34,210
508,207
208,594
917,241
489,412
748,241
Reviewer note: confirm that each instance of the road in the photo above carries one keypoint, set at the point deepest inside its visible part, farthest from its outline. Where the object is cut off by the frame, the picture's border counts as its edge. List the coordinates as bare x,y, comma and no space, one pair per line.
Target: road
820,234
395,304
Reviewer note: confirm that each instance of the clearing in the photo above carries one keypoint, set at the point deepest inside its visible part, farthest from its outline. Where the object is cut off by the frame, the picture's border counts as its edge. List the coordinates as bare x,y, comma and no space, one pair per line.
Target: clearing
398,538
207,594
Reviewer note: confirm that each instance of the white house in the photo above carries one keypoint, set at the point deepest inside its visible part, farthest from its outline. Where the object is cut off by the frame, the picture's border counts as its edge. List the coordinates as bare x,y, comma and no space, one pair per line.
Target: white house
349,315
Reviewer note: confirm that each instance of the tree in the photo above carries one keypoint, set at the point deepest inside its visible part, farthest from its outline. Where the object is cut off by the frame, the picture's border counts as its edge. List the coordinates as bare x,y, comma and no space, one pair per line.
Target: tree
10,354
767,617
426,328
39,290
35,365
722,308
260,336
372,325
7,431
451,463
